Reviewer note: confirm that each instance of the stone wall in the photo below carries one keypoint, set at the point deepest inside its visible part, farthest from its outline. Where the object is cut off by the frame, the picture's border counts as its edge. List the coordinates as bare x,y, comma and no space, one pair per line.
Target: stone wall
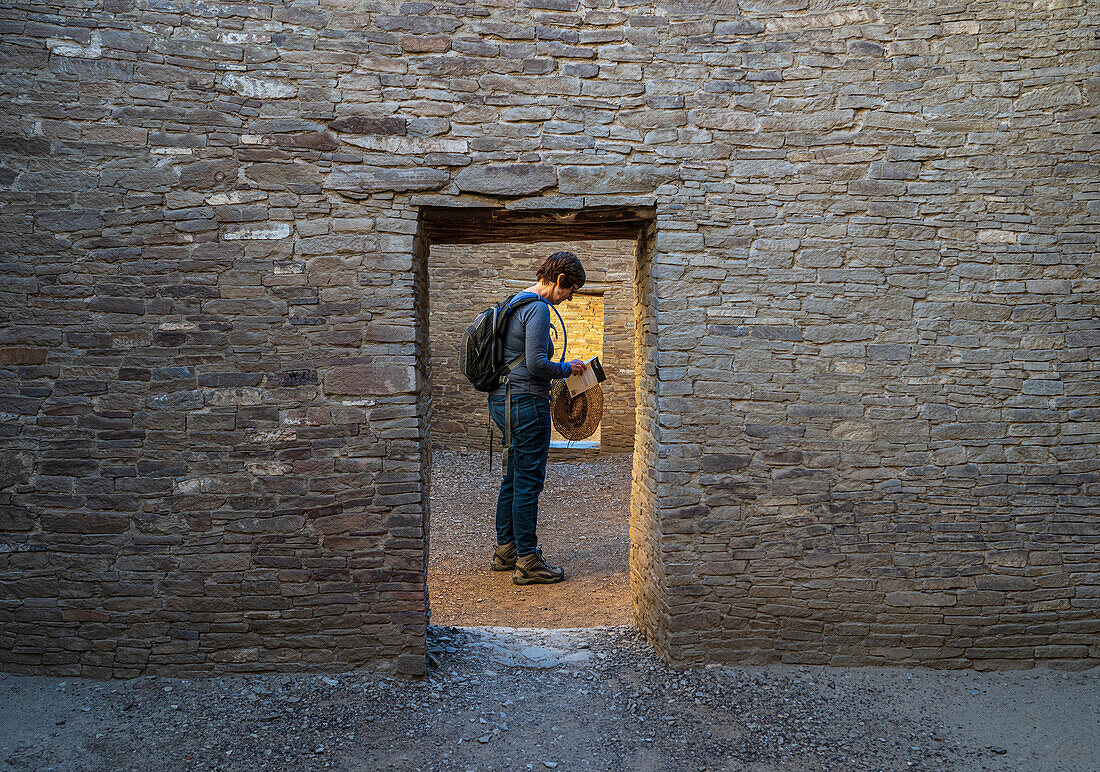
867,342
467,279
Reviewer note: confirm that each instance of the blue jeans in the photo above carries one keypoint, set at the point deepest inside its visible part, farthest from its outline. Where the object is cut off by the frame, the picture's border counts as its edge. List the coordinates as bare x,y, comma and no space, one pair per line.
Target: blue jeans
518,501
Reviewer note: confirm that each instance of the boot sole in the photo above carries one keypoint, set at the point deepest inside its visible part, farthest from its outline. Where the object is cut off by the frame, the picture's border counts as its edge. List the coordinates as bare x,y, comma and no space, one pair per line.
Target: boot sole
537,580
499,567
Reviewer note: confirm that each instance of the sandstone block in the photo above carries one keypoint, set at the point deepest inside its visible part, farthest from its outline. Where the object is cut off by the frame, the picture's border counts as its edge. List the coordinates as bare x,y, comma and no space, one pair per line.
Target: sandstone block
267,232
370,379
739,27
258,88
1043,387
67,220
356,124
22,356
594,180
680,241
420,45
291,378
14,518
899,170
282,176
1047,97
507,180
209,175
363,180
724,462
889,352
178,400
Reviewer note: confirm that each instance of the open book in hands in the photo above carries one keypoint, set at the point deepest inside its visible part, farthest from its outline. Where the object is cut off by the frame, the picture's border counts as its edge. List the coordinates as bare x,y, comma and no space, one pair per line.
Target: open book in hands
586,379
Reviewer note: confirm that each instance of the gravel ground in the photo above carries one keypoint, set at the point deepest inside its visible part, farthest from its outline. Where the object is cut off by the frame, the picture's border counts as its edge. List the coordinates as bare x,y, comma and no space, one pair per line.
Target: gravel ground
584,525
595,699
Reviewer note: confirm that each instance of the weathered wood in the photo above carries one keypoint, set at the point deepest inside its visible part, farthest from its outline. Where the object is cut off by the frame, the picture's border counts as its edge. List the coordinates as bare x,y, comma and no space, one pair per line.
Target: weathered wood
469,225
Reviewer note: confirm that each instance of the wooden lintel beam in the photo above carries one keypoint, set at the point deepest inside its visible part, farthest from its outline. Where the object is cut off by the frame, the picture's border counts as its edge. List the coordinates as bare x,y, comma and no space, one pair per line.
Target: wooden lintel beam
445,225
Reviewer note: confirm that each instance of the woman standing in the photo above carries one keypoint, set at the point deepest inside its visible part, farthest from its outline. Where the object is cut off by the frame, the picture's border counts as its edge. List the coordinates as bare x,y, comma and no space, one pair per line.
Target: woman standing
527,335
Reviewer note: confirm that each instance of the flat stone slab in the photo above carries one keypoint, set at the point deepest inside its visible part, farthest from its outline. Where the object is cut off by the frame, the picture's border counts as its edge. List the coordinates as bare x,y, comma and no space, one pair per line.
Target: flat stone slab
537,648
507,179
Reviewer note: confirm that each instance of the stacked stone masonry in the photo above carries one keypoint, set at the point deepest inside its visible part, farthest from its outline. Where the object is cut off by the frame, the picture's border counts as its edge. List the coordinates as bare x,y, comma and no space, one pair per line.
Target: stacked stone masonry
599,321
866,318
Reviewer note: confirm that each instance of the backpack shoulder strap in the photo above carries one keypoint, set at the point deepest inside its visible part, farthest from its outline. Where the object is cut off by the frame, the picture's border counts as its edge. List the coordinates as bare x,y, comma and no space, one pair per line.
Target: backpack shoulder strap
513,303
508,368
505,309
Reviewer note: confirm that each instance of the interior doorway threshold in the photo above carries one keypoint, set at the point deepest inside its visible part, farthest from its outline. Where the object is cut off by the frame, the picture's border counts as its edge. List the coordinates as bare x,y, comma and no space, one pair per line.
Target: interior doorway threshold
576,444
536,648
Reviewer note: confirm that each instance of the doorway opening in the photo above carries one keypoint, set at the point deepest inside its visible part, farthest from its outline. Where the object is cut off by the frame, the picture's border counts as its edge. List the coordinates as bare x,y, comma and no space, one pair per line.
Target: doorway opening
595,513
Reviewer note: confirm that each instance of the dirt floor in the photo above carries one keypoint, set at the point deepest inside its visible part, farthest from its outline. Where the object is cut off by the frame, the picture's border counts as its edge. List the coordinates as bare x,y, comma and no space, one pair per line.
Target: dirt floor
584,525
594,699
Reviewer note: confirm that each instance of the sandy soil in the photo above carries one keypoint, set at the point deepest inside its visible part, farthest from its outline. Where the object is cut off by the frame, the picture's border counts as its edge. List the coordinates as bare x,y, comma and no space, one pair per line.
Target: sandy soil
594,699
584,518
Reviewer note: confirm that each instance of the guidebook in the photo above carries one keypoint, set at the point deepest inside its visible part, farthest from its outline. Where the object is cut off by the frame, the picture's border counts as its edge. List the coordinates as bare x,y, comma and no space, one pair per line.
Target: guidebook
582,382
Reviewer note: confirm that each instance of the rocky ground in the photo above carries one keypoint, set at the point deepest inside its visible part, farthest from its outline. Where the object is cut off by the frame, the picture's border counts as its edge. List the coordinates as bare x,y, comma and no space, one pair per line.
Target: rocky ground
584,525
595,699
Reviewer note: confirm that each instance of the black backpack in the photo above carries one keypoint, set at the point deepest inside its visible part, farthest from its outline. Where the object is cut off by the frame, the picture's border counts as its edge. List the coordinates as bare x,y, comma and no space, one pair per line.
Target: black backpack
482,354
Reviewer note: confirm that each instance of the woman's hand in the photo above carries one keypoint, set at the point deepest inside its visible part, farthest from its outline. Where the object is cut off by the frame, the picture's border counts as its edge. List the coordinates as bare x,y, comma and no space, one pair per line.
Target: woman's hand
576,367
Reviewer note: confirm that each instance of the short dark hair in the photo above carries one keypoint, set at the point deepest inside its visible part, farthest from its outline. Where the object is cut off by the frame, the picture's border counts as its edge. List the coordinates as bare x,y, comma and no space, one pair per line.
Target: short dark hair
559,263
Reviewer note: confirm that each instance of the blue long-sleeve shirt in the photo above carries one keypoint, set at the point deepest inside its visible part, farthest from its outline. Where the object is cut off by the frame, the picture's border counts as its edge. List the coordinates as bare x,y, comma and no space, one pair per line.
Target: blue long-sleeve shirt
528,333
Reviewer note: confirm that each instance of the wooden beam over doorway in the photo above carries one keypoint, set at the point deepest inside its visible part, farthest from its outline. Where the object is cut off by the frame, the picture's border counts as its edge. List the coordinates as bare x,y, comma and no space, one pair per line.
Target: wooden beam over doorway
476,225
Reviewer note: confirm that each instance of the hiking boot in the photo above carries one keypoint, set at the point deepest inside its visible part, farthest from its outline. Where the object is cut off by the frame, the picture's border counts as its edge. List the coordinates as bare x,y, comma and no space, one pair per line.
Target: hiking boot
504,557
532,569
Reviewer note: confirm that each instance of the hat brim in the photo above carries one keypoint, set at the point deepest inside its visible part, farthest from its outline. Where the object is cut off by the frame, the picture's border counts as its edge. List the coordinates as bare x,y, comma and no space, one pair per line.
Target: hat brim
575,418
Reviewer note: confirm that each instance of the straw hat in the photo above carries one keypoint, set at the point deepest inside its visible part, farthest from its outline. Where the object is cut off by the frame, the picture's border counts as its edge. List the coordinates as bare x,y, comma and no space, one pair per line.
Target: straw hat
575,418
